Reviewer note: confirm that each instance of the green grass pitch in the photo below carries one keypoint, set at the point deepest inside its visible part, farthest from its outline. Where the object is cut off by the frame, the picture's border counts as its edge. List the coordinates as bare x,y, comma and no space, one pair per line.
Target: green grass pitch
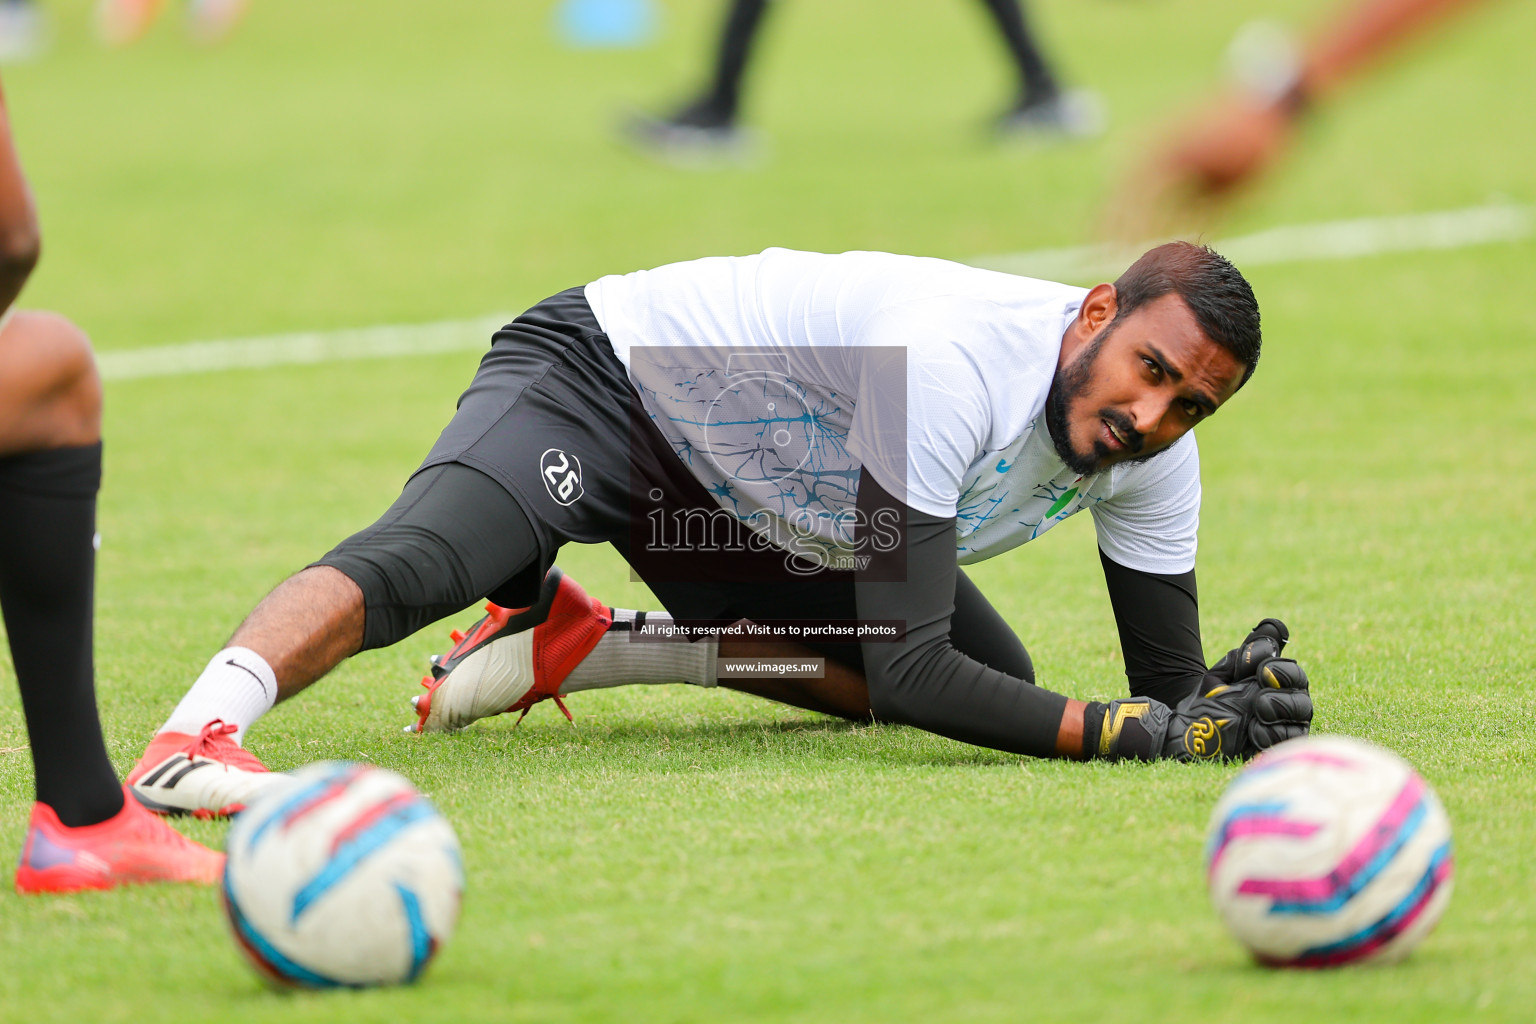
697,856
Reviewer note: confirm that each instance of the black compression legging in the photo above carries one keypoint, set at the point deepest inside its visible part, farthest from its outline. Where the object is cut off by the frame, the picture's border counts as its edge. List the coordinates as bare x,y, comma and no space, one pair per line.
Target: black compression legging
455,536
452,537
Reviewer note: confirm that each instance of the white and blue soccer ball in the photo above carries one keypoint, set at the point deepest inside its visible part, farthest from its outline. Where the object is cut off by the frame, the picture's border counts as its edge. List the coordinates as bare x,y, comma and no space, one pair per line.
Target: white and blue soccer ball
344,875
1328,850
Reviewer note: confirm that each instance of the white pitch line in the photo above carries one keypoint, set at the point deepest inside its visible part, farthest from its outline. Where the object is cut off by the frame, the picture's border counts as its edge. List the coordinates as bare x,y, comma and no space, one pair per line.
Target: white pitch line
1295,243
306,347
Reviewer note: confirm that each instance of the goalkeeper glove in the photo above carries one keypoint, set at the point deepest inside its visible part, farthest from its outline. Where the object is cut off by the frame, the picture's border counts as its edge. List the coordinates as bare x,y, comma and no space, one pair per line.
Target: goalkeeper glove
1250,700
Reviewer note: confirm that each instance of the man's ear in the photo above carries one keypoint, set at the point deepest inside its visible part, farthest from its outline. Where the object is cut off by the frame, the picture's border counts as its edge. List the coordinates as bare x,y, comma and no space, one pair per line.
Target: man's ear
1099,307
1097,311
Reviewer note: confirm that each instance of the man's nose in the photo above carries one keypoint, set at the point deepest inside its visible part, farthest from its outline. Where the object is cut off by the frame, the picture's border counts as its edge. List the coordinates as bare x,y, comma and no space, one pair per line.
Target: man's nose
1147,414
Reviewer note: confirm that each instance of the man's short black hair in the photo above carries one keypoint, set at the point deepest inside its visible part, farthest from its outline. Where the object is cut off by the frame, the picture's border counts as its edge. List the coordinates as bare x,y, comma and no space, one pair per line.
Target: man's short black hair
1214,290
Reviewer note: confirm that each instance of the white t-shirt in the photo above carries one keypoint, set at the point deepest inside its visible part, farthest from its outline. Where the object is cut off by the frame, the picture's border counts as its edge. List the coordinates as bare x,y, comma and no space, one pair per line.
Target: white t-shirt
776,377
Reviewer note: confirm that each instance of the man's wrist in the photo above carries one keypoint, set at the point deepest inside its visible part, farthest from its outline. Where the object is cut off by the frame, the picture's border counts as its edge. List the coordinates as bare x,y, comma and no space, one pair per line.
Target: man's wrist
1069,734
1096,730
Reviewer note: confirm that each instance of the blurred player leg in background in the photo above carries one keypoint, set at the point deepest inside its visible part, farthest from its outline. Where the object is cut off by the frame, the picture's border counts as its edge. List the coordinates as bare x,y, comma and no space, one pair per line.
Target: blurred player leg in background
1230,142
707,126
83,833
1042,107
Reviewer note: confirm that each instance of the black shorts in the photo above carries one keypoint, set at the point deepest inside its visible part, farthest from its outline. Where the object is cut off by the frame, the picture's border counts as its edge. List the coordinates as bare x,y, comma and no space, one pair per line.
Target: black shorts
553,421
550,445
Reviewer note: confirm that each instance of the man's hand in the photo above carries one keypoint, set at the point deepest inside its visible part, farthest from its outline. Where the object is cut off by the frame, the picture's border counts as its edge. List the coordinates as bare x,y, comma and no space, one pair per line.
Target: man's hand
1250,700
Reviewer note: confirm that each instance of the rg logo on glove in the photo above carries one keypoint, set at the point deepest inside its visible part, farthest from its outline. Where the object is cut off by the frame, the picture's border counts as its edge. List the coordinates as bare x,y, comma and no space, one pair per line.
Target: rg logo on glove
1203,738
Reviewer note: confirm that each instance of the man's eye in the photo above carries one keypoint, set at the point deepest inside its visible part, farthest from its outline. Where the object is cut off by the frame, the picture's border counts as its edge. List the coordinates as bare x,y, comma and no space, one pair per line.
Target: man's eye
1192,410
1157,371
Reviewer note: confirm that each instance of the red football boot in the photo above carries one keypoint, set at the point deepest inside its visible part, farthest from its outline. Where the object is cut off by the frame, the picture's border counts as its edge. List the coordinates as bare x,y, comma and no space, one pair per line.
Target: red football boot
130,847
512,658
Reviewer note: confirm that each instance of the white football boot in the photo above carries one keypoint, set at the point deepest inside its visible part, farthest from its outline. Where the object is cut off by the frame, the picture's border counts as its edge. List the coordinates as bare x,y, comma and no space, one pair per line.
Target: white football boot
512,658
206,776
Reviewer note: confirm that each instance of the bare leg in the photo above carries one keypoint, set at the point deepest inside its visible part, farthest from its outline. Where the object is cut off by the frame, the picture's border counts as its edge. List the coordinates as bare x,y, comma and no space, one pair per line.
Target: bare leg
50,394
841,692
297,634
306,627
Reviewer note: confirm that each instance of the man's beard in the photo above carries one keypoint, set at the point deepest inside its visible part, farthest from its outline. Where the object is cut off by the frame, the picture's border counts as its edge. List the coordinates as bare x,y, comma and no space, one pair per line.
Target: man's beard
1068,384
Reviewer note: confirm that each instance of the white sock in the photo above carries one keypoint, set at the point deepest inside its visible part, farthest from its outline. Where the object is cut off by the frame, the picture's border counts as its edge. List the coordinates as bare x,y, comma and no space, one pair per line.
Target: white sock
632,652
238,686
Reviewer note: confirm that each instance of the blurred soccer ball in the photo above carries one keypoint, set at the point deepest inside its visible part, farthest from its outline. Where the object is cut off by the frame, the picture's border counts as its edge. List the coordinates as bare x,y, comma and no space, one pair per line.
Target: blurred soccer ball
1329,850
343,876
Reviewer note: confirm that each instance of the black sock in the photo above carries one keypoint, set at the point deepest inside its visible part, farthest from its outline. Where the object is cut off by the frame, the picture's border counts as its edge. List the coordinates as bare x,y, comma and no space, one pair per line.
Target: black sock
1037,82
47,586
718,105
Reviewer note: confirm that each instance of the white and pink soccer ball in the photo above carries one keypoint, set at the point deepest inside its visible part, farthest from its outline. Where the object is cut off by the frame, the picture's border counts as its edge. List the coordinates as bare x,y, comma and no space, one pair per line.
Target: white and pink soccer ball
341,875
1329,850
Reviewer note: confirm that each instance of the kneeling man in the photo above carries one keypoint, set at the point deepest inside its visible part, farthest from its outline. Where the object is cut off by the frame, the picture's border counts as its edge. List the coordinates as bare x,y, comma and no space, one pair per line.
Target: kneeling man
796,451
